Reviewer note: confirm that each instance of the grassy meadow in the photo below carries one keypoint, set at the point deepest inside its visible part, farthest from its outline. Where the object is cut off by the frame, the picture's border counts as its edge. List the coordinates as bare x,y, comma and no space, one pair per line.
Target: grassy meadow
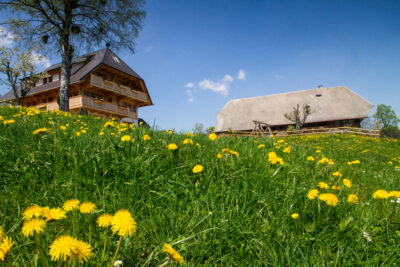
245,207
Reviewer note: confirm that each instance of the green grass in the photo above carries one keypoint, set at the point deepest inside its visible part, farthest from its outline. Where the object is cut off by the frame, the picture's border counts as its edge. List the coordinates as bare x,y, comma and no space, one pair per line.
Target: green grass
236,212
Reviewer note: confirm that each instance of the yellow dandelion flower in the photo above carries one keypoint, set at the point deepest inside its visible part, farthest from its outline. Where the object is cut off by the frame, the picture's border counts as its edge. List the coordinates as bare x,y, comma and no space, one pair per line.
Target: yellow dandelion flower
219,156
53,214
317,151
337,173
286,150
395,194
101,133
173,253
5,122
146,137
87,207
336,187
38,131
104,220
77,133
329,199
32,211
381,194
197,168
187,141
172,146
212,136
63,128
71,205
126,138
352,199
323,185
261,146
347,183
310,158
1,233
273,158
295,216
123,223
82,251
62,248
34,226
312,194
234,153
5,247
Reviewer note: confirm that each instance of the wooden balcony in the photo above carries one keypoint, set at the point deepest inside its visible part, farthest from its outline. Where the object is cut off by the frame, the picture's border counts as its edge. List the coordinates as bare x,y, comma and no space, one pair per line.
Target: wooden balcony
116,88
78,102
103,106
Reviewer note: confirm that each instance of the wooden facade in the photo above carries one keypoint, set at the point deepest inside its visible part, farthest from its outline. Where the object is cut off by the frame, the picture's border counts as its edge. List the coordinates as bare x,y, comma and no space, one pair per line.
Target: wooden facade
109,89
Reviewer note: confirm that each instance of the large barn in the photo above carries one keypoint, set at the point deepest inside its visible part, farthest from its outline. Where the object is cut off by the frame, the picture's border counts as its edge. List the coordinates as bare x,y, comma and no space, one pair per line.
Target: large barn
331,107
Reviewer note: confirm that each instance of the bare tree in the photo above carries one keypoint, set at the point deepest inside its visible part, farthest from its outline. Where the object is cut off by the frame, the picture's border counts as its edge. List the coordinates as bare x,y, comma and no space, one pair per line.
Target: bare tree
18,70
299,116
74,25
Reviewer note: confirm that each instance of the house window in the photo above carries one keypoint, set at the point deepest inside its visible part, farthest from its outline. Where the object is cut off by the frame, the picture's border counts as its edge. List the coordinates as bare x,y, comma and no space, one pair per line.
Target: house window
132,108
92,95
50,99
39,82
75,93
109,99
100,97
85,93
50,79
56,77
44,100
318,95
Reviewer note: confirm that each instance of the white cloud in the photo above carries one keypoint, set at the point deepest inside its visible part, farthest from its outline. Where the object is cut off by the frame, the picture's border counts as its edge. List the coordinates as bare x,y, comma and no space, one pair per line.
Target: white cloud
190,95
241,75
228,78
40,60
6,37
148,48
189,85
218,87
279,76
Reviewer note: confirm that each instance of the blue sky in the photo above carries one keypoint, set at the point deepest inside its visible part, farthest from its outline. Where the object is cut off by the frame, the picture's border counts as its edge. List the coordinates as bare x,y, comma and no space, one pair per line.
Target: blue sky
190,53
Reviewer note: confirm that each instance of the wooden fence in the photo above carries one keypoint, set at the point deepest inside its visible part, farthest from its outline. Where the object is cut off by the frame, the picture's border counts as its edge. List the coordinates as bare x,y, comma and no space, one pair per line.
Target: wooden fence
337,130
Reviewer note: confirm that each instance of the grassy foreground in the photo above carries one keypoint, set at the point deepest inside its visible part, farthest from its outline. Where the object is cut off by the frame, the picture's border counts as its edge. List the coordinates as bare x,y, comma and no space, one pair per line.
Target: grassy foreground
240,210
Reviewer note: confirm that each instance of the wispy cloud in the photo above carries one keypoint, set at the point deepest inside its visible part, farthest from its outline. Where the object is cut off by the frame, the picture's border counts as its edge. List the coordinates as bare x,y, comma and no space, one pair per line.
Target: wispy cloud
279,76
189,93
189,85
6,37
40,60
148,48
221,86
241,75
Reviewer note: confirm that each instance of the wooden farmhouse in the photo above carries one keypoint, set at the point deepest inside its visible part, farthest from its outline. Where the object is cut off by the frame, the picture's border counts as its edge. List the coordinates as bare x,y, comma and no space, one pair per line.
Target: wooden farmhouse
101,85
331,107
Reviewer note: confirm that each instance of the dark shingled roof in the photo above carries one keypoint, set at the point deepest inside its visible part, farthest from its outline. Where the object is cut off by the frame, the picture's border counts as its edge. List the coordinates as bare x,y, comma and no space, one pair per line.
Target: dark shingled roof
83,66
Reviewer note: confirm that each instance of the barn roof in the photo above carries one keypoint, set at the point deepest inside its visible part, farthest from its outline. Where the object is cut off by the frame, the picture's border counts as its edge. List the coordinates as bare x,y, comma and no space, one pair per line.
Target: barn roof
327,104
82,66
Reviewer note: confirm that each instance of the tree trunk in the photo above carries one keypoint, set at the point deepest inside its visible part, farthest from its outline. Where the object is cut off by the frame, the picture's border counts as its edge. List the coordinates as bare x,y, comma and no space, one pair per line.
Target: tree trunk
20,101
65,76
66,51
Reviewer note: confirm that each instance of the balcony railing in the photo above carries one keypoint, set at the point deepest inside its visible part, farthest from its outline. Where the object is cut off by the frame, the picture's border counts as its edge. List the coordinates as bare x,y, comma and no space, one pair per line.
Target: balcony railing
116,88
